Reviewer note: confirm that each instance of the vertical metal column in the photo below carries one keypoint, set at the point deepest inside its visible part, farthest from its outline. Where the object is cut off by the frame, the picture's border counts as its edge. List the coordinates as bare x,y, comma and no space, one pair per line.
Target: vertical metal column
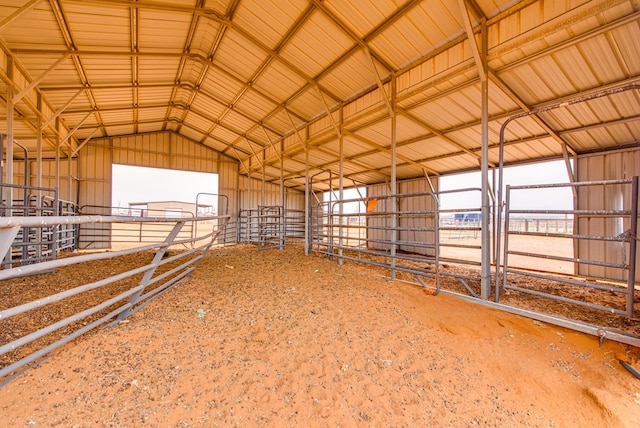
394,184
9,142
633,243
307,202
341,187
485,287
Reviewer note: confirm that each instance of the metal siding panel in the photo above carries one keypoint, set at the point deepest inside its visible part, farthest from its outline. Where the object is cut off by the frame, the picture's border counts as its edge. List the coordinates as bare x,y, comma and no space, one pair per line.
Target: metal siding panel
609,166
316,44
268,20
235,46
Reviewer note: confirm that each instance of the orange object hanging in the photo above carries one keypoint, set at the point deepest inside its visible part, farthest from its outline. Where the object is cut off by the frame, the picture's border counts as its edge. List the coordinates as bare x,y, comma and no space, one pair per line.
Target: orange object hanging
371,204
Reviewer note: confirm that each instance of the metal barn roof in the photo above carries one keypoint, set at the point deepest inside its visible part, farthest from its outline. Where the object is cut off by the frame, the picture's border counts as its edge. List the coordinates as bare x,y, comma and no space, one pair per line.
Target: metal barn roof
261,79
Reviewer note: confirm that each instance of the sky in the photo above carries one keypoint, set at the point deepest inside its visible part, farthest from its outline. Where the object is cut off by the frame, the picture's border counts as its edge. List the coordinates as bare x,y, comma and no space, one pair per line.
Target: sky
542,199
138,184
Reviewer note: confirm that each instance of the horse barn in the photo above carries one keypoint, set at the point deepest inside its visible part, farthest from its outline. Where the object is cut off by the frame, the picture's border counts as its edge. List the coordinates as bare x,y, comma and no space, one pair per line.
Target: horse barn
415,213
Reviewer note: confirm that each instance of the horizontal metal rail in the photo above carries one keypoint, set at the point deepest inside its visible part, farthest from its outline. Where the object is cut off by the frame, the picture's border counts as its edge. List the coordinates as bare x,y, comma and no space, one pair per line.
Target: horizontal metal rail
613,264
147,277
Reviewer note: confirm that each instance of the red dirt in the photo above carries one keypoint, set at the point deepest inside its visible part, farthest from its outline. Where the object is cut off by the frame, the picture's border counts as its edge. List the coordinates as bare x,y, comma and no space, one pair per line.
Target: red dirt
273,338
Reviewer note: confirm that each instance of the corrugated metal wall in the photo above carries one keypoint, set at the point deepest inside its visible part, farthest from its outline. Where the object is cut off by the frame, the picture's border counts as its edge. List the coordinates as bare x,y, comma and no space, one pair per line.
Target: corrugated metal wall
251,195
154,150
49,176
616,165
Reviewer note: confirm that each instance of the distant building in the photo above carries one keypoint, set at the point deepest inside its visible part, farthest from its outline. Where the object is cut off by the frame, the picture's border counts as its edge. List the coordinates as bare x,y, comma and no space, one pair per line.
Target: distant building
170,209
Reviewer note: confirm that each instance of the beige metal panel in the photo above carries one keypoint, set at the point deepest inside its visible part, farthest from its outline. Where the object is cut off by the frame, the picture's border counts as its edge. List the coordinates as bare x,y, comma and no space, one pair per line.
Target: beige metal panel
361,17
611,166
207,105
352,75
375,223
324,124
227,135
268,21
37,28
108,70
430,147
407,129
418,31
208,141
110,30
197,121
194,134
423,204
152,70
154,95
411,79
316,44
238,122
158,28
279,82
235,46
351,146
94,171
626,43
114,98
365,102
151,114
255,104
309,103
219,85
279,122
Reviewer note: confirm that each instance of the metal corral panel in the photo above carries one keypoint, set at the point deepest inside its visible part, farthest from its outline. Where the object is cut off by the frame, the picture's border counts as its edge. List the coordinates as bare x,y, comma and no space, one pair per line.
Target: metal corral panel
616,165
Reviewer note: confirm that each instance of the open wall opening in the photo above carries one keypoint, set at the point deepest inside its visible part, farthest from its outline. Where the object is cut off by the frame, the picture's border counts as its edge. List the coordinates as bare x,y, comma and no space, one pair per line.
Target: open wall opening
162,192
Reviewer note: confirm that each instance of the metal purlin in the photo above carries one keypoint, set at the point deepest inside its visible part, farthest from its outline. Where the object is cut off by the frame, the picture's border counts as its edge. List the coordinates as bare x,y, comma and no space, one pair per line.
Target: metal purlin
500,209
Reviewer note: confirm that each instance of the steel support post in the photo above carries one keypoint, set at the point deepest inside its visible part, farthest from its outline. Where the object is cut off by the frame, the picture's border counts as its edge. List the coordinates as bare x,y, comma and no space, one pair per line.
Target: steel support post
633,243
394,184
485,289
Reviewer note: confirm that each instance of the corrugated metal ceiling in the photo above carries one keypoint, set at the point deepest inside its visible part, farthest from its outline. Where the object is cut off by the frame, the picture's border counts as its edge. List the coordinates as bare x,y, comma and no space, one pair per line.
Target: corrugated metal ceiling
239,75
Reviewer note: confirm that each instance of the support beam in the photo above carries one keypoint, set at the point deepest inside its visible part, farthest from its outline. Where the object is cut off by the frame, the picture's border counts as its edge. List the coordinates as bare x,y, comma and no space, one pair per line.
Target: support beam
40,78
17,14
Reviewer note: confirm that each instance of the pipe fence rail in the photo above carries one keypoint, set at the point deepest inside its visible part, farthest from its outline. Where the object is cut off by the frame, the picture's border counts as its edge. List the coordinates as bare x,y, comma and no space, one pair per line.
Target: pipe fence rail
370,230
422,241
603,258
270,226
148,272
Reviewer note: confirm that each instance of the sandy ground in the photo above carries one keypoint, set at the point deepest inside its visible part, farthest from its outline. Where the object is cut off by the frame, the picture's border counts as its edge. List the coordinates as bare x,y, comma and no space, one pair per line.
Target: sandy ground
273,338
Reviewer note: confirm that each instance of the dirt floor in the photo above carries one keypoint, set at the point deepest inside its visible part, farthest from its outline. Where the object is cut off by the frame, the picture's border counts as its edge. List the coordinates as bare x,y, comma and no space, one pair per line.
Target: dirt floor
274,338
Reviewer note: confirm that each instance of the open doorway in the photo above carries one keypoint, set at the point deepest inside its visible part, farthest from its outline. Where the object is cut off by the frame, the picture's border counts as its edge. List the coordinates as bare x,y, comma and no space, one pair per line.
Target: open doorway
141,191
